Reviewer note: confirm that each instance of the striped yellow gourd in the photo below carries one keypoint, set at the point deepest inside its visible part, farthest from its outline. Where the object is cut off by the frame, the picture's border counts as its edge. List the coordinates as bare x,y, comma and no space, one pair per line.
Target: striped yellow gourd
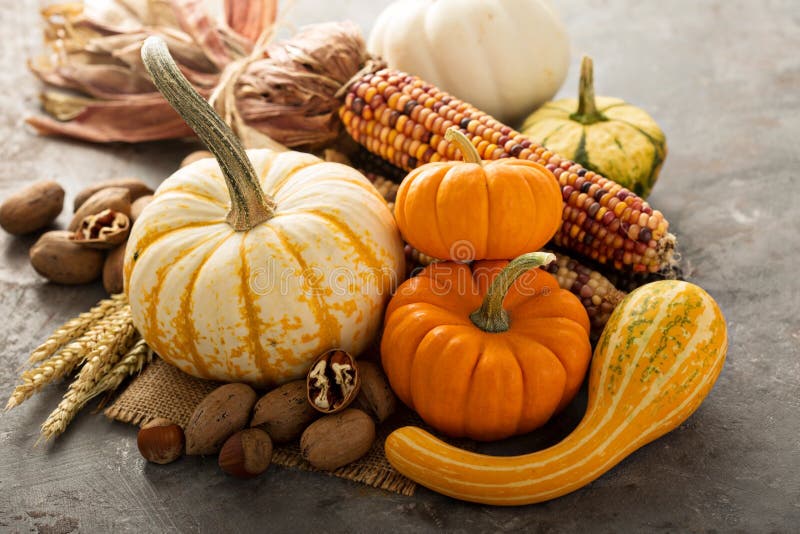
657,359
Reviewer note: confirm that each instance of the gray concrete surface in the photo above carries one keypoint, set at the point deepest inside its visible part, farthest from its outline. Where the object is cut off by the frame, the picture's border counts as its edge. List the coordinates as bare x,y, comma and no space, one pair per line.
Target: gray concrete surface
723,79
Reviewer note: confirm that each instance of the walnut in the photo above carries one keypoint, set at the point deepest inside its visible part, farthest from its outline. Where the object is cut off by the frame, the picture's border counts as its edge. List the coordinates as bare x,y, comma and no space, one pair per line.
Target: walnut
333,381
106,229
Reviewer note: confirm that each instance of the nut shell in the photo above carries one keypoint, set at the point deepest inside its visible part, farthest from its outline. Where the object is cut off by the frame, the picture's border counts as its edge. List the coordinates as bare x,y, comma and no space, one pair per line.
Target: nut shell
138,205
59,259
104,230
221,413
376,396
284,412
196,156
246,454
112,198
113,281
333,381
135,187
31,208
339,439
160,441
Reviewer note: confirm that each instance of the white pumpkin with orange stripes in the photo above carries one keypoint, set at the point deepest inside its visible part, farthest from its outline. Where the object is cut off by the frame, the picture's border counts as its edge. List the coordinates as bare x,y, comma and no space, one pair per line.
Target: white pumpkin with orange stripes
657,359
247,269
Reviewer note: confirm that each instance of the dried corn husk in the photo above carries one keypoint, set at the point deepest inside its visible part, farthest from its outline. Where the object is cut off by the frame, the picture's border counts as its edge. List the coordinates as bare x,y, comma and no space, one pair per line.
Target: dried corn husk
100,90
291,95
271,94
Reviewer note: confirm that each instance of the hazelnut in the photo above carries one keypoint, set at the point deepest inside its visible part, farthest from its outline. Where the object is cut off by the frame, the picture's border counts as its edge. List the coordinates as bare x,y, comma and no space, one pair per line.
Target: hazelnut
136,188
31,208
160,441
246,454
332,381
196,156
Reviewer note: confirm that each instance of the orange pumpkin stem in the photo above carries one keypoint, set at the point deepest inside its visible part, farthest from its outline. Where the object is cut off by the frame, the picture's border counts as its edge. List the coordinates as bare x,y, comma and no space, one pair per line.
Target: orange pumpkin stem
491,317
468,150
250,206
587,107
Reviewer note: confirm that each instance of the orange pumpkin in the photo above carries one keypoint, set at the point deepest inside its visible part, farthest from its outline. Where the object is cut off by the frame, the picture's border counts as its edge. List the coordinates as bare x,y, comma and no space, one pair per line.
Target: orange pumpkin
487,352
475,209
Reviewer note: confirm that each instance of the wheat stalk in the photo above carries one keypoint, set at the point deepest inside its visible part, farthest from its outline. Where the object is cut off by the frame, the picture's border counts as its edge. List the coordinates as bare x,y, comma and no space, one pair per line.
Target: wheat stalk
64,361
112,345
132,363
76,327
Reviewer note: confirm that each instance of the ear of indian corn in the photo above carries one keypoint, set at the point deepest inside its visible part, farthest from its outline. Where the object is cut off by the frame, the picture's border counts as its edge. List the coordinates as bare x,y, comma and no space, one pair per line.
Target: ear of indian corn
403,120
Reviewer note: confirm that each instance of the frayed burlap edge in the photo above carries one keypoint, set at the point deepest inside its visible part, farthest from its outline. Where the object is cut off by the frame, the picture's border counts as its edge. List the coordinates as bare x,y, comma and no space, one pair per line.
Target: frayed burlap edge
386,479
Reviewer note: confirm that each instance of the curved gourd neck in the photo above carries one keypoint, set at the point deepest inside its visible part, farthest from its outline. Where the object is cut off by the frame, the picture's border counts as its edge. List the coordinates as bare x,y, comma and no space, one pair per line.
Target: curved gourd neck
250,206
587,112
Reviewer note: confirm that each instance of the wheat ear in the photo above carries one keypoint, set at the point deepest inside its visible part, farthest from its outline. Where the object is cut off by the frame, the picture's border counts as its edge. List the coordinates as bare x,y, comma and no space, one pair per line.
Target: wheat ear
111,347
132,363
76,327
65,360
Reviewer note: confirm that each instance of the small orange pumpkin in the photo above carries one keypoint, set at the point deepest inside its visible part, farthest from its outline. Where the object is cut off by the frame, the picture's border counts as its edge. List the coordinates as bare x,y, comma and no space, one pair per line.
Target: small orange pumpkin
486,353
473,210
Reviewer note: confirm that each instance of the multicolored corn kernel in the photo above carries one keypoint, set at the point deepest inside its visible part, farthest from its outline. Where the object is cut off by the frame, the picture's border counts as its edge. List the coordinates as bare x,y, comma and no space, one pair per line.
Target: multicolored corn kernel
417,258
403,119
387,188
596,292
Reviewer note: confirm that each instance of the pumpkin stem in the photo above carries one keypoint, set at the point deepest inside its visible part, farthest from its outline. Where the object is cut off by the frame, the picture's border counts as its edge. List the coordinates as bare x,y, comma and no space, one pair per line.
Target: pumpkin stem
587,107
491,317
250,206
468,150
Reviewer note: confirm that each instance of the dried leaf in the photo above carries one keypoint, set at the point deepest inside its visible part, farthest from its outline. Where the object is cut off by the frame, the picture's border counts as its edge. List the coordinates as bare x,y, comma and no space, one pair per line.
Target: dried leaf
194,20
64,106
134,121
272,94
250,19
94,50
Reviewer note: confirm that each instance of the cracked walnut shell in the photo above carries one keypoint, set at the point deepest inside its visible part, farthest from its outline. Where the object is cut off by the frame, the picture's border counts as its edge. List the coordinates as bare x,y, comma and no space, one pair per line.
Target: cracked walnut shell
333,381
103,230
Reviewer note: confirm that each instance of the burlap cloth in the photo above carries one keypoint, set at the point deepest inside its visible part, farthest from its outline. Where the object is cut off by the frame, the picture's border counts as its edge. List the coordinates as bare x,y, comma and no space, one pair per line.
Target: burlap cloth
161,390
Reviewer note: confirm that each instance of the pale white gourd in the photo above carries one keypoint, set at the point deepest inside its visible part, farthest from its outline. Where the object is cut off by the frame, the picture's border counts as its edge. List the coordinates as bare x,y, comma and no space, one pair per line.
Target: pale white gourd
506,57
252,290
